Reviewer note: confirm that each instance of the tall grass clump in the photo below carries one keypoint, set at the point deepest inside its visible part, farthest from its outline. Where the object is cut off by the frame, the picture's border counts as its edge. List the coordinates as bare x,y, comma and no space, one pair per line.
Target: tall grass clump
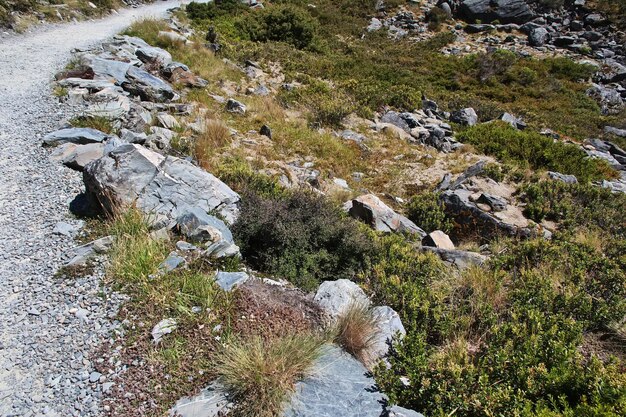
356,331
260,374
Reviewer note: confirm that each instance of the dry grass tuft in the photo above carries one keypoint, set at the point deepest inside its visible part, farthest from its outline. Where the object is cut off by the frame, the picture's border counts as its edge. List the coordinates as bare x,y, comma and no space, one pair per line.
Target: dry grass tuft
261,373
216,136
356,331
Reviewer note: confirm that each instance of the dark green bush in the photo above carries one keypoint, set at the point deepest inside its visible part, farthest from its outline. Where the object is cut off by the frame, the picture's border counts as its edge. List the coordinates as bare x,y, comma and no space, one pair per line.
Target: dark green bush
436,17
426,211
281,23
214,9
301,237
539,152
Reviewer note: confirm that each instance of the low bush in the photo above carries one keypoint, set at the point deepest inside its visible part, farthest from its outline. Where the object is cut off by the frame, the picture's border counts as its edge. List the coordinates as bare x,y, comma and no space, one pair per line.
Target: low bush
426,211
281,23
260,374
539,152
211,10
301,237
436,17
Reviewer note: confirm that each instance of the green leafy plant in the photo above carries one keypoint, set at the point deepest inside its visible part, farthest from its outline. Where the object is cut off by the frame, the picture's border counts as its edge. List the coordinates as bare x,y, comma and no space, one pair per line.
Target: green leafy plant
426,211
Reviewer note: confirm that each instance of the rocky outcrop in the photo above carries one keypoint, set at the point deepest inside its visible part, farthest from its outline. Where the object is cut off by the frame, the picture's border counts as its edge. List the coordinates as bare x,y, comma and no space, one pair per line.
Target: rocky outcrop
163,186
372,211
504,11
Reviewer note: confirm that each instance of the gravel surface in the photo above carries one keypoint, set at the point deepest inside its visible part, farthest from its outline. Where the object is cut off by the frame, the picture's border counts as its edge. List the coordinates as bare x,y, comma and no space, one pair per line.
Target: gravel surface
48,326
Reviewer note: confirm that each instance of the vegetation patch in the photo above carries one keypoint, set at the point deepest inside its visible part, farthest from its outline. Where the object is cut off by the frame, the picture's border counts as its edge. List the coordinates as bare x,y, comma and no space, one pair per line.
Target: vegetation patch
538,151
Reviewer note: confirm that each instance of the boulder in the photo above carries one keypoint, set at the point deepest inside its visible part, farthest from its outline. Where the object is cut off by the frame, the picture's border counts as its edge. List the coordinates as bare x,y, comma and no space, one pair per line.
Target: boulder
513,121
371,210
235,106
609,99
334,297
106,69
77,135
229,280
438,239
200,227
77,157
615,131
493,201
465,117
338,385
458,258
567,179
178,73
162,186
82,254
147,86
538,36
505,11
154,55
389,326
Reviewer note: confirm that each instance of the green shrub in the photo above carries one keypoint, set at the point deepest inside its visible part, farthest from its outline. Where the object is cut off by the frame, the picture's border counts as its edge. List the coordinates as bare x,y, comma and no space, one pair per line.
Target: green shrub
426,211
281,23
207,11
539,152
300,237
436,17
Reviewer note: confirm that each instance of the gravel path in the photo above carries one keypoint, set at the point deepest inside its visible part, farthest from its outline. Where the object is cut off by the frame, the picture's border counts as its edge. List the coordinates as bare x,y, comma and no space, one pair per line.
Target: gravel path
48,326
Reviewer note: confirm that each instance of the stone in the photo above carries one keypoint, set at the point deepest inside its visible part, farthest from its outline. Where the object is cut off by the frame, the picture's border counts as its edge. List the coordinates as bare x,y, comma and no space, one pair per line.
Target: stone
229,280
335,297
538,36
352,136
178,73
173,261
94,376
465,117
168,121
447,183
513,121
172,36
129,136
371,210
235,106
615,131
77,135
107,69
77,157
82,254
567,179
154,55
113,108
438,239
458,258
266,131
375,24
162,186
162,328
198,226
396,411
338,385
608,98
478,28
505,11
496,203
389,326
66,229
211,402
147,86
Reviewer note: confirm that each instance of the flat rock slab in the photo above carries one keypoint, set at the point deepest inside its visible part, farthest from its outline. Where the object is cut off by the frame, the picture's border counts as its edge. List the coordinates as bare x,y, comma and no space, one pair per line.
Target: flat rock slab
338,386
77,135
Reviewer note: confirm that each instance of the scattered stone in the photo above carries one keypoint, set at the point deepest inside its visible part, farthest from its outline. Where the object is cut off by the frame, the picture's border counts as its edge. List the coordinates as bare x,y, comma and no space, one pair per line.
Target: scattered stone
465,117
147,86
538,36
389,327
438,239
567,179
197,225
211,402
82,254
162,328
496,203
266,131
77,157
229,280
235,106
513,121
458,258
154,55
372,211
173,261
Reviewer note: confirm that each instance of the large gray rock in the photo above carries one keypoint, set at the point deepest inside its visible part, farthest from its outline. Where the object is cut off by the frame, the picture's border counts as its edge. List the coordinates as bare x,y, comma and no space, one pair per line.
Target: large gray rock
567,179
339,385
334,297
389,326
371,210
153,55
107,69
505,11
147,86
538,36
165,187
609,99
77,135
465,117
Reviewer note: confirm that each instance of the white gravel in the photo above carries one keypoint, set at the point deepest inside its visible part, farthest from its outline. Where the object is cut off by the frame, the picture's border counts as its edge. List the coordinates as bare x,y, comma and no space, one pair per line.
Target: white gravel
45,344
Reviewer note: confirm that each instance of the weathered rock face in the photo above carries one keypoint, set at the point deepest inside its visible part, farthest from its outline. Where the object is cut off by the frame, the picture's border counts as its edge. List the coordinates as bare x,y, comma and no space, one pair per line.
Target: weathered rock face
335,297
77,135
338,386
147,86
371,210
505,11
162,186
